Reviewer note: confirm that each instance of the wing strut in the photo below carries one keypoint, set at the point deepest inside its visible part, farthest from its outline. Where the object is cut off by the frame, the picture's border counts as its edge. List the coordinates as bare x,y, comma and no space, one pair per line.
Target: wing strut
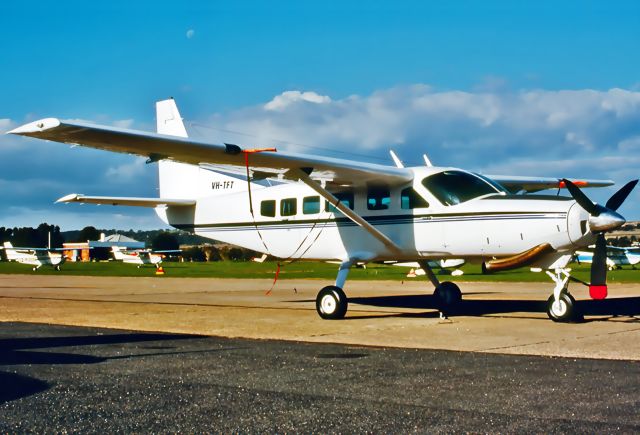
359,220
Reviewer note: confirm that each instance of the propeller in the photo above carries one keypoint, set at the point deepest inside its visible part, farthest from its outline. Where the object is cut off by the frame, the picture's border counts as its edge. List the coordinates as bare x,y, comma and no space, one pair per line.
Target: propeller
601,219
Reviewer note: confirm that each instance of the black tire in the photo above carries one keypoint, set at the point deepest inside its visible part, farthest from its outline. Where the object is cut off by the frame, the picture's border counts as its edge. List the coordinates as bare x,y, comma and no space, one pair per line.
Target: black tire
448,296
331,303
564,311
58,268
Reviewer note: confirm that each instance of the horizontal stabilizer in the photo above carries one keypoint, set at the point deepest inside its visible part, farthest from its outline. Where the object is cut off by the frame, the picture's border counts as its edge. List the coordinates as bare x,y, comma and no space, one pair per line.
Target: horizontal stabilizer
131,201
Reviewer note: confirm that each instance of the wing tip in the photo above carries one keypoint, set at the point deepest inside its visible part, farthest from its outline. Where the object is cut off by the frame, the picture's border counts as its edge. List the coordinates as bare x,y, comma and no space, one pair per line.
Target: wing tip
72,197
36,126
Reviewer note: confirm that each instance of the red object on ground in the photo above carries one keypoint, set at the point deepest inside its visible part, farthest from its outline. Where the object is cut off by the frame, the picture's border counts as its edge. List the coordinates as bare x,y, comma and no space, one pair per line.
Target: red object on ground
598,291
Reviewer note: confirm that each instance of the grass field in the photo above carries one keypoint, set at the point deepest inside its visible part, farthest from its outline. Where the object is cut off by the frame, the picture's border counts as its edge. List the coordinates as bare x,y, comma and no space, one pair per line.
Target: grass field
306,270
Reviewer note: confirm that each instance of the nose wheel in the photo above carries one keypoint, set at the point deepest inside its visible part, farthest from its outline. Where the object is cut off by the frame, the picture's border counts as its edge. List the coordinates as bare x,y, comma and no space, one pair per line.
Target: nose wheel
563,309
561,306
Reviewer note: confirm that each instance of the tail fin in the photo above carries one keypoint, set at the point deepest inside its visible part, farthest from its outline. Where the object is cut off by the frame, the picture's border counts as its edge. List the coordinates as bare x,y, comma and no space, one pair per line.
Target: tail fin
11,253
117,254
175,178
182,181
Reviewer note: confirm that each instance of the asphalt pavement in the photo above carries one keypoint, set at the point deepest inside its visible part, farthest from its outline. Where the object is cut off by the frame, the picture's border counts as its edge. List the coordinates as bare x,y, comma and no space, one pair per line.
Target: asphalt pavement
78,379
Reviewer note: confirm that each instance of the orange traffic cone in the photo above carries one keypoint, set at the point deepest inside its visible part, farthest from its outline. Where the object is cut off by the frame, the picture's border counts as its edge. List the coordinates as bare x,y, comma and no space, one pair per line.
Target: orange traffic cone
411,274
160,270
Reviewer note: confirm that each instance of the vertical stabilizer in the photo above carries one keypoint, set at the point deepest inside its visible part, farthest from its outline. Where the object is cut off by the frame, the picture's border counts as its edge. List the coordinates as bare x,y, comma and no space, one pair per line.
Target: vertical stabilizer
168,119
183,181
177,180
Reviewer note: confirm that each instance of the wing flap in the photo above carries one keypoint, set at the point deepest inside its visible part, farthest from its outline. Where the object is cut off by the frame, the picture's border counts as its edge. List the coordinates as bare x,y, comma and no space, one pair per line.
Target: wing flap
131,201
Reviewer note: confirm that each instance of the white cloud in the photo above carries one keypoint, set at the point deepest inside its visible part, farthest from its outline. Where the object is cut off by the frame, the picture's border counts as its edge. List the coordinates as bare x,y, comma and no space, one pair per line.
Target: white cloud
123,123
6,125
288,98
128,172
190,33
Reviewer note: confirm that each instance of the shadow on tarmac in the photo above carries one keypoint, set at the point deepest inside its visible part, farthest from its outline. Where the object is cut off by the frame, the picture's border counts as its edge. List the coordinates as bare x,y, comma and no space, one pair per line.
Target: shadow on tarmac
13,351
628,306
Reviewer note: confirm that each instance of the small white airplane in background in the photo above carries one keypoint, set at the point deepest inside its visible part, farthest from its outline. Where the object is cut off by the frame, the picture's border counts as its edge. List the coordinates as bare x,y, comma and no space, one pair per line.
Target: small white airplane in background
616,257
140,256
323,208
442,265
36,257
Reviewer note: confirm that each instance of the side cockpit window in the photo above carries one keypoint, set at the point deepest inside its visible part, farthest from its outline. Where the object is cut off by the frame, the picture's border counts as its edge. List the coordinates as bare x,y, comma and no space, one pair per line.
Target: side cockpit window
455,187
409,199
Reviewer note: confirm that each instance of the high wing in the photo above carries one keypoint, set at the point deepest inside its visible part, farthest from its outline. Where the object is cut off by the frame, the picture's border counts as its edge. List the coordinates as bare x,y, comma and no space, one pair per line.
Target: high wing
132,201
517,184
158,146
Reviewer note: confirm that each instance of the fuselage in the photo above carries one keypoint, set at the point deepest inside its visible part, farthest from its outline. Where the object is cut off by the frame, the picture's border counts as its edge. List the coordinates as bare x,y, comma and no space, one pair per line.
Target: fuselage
425,219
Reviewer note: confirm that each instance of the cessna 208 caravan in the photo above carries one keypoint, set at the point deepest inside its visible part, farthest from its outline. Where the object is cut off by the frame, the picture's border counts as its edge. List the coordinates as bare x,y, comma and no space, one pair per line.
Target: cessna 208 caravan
325,208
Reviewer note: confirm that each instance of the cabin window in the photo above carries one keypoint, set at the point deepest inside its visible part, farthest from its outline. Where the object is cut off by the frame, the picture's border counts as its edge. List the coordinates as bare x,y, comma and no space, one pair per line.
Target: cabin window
268,208
409,199
378,198
288,207
311,205
455,187
345,198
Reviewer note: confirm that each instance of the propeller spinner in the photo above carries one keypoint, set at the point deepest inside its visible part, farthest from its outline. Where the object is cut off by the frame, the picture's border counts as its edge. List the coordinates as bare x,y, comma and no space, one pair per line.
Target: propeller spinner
601,219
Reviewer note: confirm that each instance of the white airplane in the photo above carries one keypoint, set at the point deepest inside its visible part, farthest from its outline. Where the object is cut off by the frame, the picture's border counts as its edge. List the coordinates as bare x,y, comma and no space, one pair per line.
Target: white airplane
140,256
616,257
442,265
36,257
325,208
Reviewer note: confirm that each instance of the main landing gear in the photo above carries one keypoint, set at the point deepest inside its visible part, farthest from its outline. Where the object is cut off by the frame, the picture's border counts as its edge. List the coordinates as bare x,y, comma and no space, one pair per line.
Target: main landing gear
332,302
447,294
561,306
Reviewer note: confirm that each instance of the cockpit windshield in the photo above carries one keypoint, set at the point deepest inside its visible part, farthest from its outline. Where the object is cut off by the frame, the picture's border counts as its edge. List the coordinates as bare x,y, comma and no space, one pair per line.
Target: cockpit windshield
455,187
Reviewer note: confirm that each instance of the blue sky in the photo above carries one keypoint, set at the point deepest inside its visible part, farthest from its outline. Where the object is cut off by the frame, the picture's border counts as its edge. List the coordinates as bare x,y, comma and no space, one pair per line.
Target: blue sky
531,88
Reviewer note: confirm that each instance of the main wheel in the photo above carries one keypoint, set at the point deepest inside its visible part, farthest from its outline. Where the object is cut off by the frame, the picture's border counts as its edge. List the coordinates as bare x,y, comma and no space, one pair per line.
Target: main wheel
58,268
562,310
447,295
331,303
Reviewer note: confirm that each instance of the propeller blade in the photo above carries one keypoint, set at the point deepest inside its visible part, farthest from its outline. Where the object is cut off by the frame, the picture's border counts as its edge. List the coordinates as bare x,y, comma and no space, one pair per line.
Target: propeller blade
599,264
618,198
581,198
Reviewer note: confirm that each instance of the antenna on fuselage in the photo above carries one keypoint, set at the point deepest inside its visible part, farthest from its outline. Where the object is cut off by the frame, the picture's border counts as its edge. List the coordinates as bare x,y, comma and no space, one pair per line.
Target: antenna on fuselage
427,161
396,160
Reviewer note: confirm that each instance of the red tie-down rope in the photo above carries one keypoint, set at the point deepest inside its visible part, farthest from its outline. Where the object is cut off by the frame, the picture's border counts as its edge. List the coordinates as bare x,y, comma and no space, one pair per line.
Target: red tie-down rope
277,274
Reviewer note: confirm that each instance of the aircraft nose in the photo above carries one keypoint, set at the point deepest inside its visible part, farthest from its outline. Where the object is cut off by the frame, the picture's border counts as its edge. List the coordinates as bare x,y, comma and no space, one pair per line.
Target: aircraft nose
606,221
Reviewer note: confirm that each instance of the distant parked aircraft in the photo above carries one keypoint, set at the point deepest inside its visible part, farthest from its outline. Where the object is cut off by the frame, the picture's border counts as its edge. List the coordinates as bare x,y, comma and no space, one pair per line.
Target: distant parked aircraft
37,257
140,256
616,257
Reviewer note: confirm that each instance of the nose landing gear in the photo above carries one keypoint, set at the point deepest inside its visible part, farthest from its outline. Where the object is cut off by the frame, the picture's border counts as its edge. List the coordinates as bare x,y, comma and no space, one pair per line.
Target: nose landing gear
561,306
